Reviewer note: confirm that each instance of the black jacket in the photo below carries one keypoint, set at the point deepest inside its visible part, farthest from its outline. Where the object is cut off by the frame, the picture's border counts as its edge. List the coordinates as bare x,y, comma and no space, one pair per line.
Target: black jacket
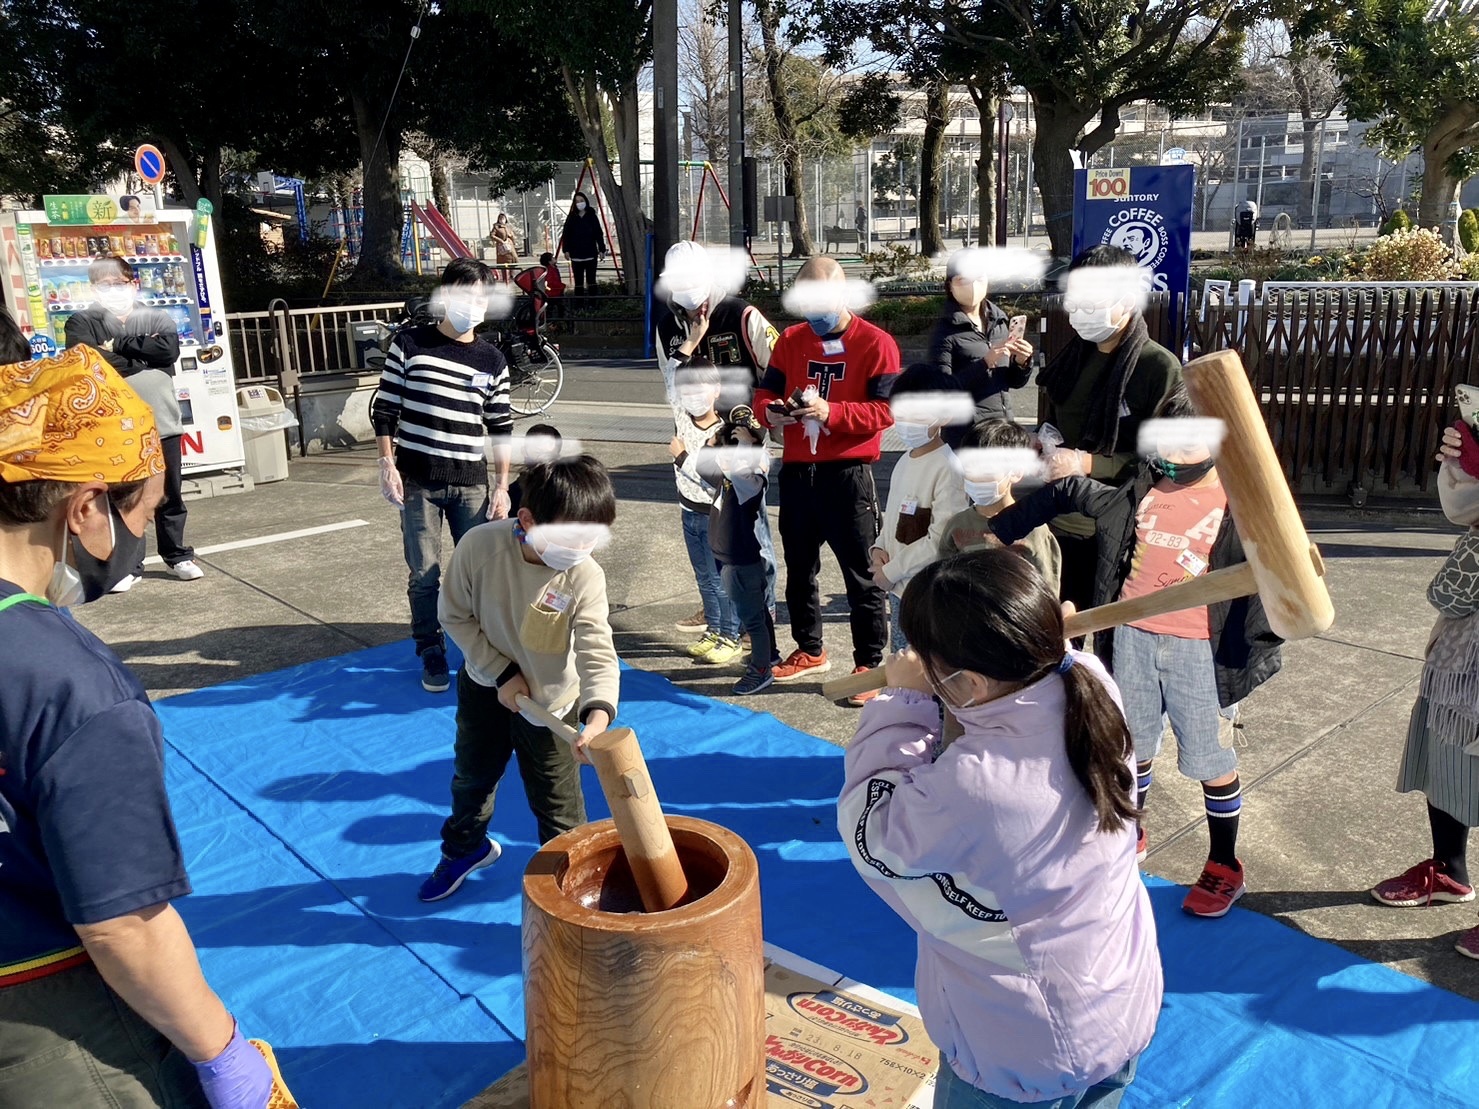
1244,648
147,340
582,236
959,348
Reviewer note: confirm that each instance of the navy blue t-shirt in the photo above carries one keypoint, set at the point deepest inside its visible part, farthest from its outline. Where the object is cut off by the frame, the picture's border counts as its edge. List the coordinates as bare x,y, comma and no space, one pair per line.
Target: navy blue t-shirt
86,832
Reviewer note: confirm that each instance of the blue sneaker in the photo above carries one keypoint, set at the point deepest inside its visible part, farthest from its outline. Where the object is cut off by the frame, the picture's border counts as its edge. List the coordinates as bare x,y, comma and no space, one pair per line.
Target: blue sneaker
435,678
451,873
752,681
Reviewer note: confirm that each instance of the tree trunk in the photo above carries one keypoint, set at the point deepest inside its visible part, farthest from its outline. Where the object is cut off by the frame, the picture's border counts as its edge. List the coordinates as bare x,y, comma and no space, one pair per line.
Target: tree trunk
1058,128
182,166
936,119
625,199
441,185
785,127
1306,211
210,177
1439,191
988,105
379,262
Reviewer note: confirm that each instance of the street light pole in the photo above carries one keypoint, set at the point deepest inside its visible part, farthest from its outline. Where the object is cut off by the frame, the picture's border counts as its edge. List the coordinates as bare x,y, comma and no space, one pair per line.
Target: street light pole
664,126
737,197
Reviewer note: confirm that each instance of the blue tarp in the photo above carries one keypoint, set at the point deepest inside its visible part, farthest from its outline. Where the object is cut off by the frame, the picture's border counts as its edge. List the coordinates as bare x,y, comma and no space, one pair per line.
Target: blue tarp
310,799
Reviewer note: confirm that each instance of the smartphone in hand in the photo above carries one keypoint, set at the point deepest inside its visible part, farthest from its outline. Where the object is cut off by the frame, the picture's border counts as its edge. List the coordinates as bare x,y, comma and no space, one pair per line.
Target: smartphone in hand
1017,327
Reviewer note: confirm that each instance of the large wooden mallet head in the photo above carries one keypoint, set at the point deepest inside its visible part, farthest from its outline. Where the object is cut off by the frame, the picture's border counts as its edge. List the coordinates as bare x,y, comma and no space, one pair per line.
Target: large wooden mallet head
1274,540
1282,568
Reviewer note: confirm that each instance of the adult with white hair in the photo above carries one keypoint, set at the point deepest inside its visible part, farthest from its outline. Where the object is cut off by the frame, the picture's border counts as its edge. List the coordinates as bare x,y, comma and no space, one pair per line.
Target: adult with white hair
1109,379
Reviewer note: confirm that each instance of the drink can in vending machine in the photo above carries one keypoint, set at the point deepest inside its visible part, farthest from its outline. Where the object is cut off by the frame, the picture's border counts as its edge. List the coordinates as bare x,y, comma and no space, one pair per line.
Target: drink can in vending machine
57,249
115,243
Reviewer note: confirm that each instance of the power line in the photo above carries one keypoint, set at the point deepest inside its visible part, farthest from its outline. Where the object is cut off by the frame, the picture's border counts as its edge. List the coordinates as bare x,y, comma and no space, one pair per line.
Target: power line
421,13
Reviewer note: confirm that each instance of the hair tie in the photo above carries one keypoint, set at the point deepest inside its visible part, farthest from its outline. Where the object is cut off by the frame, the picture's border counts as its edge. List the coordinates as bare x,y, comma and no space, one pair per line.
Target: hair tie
1066,665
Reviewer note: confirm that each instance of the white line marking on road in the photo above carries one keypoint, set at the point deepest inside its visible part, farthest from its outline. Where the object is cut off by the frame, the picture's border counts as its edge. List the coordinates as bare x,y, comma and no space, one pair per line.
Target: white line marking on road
263,540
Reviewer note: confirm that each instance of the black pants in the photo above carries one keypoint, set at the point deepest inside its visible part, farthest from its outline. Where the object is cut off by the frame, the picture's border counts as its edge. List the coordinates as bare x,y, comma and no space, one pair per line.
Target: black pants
1080,560
488,735
169,517
836,504
746,586
584,273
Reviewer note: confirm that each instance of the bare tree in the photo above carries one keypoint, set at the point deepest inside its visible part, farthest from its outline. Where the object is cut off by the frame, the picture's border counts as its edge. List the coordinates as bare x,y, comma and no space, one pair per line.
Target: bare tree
703,69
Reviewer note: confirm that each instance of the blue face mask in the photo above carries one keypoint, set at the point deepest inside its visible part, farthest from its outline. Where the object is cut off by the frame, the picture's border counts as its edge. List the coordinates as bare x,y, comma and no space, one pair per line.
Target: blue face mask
825,325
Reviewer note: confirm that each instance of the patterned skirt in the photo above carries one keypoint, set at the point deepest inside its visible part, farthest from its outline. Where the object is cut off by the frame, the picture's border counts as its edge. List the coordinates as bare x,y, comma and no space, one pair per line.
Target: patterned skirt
1437,763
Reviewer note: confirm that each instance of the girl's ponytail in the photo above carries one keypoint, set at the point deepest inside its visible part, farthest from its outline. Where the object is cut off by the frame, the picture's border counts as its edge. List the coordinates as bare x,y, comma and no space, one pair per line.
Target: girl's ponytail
1099,747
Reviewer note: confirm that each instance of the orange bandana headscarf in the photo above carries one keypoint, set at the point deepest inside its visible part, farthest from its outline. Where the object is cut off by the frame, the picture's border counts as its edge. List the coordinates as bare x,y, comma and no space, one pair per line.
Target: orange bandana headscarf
72,418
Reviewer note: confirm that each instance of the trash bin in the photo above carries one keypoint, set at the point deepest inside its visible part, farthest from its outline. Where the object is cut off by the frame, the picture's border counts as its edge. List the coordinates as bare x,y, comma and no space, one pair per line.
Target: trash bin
264,417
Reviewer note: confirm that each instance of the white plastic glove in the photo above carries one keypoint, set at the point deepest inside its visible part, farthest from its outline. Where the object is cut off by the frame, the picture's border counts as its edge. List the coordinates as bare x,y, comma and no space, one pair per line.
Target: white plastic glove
391,487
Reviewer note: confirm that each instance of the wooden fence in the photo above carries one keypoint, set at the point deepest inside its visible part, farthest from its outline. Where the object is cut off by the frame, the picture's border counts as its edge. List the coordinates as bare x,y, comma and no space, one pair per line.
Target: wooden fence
1356,381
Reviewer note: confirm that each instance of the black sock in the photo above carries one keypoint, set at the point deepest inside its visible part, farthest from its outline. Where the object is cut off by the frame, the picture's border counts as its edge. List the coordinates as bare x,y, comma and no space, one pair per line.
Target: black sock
1224,803
1450,844
1143,778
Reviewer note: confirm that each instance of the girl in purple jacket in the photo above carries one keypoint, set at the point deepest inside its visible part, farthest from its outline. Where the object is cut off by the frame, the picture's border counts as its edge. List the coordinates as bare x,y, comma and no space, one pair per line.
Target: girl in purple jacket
1011,852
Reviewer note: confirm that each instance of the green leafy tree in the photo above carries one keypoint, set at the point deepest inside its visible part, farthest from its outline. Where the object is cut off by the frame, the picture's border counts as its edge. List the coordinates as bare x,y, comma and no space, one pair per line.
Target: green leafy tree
1086,61
1417,76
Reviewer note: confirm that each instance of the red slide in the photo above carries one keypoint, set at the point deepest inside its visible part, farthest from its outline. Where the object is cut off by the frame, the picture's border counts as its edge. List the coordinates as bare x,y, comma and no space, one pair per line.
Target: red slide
436,224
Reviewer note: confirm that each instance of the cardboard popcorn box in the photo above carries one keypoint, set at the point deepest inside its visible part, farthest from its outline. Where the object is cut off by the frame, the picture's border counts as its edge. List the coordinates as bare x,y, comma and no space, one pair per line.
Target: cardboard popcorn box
827,1048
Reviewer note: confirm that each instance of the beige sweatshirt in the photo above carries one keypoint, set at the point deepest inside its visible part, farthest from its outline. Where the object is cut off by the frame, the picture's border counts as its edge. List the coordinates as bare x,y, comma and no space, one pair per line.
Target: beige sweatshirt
923,494
504,612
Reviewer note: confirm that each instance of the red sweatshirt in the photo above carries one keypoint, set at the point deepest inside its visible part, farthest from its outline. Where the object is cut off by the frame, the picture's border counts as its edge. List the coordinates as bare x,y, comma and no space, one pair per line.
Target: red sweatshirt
852,372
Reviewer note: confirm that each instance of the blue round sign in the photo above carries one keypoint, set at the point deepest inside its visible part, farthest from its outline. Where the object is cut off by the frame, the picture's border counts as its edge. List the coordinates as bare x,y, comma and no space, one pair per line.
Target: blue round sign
42,346
149,161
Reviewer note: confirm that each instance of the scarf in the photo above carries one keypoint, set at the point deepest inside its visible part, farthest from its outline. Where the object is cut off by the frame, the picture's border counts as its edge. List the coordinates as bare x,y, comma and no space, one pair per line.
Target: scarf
1101,428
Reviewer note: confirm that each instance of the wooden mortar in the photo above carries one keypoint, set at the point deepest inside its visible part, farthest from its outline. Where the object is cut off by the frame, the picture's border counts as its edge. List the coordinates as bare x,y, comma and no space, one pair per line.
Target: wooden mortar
626,1009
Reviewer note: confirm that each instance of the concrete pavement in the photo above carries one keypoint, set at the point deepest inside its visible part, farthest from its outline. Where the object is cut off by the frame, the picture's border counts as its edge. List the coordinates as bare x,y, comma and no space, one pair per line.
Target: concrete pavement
1320,825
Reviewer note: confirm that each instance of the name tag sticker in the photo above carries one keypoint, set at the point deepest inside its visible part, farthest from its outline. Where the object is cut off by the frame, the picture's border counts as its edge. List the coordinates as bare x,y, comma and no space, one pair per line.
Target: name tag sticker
832,346
481,381
909,507
554,600
1191,562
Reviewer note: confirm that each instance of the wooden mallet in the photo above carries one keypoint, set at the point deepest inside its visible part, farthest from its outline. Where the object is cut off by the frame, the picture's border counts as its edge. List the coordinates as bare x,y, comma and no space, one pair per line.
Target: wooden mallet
1283,567
645,839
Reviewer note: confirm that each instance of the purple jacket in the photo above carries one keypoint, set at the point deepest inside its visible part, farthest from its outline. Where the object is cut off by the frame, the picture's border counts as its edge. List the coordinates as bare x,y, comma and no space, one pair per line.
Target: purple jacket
1038,971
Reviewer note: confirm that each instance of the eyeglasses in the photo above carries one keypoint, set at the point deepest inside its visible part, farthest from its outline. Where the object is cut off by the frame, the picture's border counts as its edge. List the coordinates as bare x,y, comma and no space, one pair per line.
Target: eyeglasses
940,690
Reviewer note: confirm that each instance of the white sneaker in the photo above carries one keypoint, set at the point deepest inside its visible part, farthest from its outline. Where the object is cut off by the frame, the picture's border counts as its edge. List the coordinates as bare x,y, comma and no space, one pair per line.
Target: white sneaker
126,584
187,571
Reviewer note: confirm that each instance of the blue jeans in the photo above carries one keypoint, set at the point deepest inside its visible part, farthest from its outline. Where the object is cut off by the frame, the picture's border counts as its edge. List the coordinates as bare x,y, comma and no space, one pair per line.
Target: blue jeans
747,588
719,610
954,1092
1163,676
427,504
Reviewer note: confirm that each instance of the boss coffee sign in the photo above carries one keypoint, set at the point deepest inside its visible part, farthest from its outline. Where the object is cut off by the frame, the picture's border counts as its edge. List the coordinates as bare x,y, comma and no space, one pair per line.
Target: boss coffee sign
1147,211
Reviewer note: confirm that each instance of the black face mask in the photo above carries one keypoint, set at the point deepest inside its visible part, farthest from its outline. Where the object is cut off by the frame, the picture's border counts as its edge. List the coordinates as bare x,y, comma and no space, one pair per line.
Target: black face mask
1182,473
100,575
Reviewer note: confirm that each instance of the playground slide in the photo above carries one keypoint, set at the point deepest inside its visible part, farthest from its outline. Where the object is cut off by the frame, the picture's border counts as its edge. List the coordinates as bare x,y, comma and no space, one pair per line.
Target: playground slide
437,226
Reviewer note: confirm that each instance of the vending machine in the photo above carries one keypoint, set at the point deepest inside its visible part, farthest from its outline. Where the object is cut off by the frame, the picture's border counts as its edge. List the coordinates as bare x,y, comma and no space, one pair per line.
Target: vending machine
45,259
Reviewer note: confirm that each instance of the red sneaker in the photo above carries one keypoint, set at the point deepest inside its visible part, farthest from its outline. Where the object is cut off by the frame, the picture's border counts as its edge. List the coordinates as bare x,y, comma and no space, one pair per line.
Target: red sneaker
1141,842
1215,891
800,664
1468,943
858,700
1421,885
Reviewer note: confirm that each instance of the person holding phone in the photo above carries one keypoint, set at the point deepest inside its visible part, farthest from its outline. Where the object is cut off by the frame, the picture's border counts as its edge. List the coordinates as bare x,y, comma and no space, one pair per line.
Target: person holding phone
976,343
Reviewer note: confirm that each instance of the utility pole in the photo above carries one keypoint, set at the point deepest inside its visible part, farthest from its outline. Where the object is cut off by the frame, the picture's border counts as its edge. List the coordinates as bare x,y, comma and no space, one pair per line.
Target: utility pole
737,198
664,127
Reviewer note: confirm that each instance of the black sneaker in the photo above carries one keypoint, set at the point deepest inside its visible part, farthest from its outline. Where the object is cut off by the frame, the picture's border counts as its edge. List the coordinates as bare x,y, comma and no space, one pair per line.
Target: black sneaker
435,678
753,681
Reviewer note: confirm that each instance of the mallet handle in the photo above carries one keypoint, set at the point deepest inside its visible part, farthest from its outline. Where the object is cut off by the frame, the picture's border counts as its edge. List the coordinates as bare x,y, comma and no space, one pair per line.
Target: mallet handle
617,757
1220,585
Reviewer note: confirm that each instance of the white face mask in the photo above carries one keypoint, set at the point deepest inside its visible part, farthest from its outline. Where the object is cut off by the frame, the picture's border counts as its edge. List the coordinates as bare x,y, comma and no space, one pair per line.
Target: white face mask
914,435
696,404
1094,325
117,299
557,557
580,206
464,312
65,589
690,300
983,492
545,541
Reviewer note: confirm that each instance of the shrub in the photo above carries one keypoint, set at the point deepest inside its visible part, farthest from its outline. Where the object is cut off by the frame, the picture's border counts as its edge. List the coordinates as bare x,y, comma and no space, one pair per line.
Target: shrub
897,260
1397,221
1468,230
1416,255
1471,267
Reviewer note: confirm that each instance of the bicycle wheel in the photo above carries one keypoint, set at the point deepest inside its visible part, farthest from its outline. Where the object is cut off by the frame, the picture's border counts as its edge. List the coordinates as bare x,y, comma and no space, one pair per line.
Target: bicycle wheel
534,386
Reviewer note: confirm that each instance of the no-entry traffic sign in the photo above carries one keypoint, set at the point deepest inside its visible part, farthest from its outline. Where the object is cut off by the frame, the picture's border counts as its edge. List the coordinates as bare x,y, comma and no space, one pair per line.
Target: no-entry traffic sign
150,164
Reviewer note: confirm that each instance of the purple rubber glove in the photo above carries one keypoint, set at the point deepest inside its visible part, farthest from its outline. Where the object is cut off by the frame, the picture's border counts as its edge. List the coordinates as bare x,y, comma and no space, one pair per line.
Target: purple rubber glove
238,1078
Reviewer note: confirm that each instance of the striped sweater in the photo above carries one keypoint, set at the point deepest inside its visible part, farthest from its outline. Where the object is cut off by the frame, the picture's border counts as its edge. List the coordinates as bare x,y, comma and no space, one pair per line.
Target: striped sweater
438,398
